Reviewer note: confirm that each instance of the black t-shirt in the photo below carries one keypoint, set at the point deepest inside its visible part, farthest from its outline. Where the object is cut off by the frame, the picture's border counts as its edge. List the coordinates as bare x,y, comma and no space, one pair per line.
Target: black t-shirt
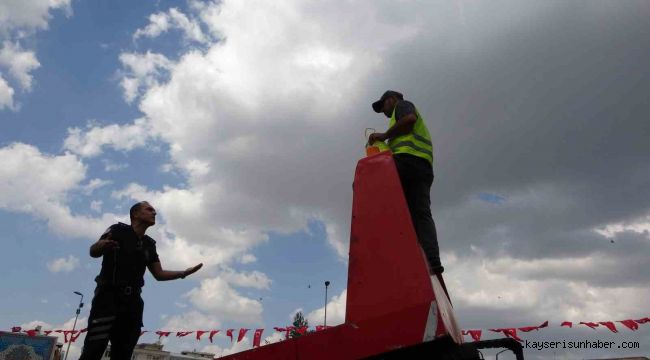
404,108
126,266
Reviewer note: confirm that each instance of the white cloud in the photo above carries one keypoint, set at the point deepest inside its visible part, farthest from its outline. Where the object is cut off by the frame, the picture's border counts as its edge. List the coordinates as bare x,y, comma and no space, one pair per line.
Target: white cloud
29,15
20,19
641,225
216,297
6,95
90,142
20,63
508,284
39,184
95,184
96,205
141,70
190,321
63,264
254,279
247,259
275,337
162,22
110,166
335,311
212,111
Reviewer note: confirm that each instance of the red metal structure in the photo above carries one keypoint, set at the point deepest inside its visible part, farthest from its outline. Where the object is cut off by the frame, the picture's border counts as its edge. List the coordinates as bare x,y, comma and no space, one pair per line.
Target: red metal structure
393,303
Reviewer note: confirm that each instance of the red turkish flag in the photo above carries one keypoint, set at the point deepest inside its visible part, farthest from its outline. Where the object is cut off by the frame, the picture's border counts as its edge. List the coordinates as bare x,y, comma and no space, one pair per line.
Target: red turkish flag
567,323
643,321
66,333
242,333
199,333
229,333
47,332
631,324
213,333
610,325
183,333
257,337
74,337
592,325
475,334
531,328
163,333
508,332
31,332
286,330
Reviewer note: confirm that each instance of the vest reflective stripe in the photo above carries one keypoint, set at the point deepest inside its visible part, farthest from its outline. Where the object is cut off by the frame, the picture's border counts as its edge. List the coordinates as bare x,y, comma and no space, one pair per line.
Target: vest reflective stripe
416,143
413,146
424,140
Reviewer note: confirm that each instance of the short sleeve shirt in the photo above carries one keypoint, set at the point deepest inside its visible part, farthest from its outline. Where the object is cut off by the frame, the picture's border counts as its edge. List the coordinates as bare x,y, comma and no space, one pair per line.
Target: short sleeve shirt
126,265
404,108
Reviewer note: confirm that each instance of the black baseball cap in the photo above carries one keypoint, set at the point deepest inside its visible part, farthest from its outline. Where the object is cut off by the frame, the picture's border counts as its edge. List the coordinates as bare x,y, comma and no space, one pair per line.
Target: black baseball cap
377,105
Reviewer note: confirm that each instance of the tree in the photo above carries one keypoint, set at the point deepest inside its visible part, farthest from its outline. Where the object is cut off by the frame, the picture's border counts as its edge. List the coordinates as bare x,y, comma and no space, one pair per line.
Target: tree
300,325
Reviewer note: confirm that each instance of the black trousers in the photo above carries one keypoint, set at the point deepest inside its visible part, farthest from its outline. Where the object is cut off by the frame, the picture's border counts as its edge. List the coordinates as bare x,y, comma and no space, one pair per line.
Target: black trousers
416,176
117,317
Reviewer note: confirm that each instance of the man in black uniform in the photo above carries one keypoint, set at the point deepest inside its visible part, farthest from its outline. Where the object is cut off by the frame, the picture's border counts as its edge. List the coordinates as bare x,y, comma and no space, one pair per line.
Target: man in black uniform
116,312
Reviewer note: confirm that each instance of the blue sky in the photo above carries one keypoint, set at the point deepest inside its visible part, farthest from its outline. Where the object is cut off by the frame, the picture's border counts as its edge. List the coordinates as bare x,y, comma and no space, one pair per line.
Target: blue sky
242,122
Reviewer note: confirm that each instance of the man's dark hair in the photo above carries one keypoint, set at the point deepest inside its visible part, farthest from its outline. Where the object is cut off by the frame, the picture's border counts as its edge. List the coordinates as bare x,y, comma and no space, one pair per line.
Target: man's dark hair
135,208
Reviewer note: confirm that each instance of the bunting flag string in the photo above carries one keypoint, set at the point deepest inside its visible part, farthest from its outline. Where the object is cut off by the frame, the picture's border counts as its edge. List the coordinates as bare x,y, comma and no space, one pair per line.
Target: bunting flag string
592,325
212,334
475,334
630,324
162,333
508,332
257,337
531,328
242,333
199,333
610,325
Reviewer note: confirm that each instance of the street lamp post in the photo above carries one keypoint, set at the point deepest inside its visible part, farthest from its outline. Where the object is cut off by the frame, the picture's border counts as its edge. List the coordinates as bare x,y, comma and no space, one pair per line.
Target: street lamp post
327,283
81,304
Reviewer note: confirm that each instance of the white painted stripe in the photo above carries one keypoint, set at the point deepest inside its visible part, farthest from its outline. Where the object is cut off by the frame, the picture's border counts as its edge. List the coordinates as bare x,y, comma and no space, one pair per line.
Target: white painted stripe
104,319
98,337
432,323
100,328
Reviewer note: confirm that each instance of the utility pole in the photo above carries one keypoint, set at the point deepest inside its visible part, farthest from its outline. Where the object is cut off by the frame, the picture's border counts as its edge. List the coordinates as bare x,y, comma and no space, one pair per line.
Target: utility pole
81,304
327,283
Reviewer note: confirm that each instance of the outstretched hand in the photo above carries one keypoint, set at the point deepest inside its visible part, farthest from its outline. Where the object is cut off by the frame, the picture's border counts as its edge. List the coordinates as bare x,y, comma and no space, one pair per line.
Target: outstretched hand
192,270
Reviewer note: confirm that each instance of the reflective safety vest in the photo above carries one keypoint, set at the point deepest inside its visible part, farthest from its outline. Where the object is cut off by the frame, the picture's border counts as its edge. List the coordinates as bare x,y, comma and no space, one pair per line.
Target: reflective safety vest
416,143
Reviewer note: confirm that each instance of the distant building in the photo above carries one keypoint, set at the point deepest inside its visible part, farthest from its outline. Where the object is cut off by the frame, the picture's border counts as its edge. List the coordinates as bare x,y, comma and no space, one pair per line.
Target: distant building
155,352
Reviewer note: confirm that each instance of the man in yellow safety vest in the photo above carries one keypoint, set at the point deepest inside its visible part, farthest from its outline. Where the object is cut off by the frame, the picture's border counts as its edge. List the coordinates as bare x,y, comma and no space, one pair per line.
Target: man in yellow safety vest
410,142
